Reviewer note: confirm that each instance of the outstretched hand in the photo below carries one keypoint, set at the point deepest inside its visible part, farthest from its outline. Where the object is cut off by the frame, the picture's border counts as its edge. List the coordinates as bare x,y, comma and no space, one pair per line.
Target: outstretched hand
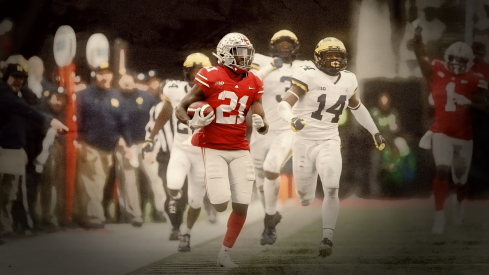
56,124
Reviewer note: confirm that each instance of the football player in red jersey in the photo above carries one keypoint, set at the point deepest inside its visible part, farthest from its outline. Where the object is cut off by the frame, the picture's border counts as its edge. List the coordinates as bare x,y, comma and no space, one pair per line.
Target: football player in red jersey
454,87
231,91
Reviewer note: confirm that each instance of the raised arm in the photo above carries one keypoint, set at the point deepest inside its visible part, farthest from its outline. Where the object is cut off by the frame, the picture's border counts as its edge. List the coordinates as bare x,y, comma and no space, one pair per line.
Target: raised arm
420,52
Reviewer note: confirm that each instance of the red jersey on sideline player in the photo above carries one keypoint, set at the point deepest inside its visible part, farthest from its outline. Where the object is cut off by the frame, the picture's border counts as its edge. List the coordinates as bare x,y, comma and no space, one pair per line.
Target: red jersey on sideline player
450,118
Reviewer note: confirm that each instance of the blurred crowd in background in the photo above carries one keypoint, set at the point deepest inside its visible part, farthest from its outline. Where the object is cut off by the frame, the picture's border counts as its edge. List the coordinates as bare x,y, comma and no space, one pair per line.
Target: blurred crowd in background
383,59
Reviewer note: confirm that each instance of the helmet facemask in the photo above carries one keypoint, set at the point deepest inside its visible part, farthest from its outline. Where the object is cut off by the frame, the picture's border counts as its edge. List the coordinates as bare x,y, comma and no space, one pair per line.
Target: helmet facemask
331,61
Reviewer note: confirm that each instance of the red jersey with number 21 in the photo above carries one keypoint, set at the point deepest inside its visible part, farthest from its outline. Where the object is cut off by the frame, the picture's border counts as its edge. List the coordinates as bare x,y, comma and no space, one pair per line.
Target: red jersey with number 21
452,119
231,100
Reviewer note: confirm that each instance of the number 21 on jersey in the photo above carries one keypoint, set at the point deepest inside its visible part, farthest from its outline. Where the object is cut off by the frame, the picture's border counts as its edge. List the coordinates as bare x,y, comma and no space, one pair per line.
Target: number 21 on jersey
222,109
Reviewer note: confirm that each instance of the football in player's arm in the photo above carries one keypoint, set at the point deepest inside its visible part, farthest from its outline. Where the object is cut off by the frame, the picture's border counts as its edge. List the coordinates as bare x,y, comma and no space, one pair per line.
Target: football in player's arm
232,91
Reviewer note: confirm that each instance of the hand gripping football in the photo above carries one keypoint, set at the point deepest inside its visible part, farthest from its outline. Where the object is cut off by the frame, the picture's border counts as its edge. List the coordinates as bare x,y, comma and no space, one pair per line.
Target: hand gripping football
204,111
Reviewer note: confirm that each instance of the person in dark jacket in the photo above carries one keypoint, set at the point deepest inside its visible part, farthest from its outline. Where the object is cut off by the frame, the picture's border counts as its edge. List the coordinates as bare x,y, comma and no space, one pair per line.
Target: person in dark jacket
14,115
102,125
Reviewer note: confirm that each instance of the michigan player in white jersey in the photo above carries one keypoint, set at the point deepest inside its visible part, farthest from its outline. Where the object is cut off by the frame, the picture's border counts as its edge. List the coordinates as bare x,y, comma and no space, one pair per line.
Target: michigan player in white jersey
318,96
185,161
271,151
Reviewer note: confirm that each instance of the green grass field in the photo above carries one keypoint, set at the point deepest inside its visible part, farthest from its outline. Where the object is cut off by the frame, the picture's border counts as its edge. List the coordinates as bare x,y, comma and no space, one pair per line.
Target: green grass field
370,238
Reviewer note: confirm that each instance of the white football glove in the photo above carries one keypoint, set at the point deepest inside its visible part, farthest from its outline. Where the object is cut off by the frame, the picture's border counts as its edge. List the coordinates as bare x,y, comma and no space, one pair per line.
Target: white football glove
257,121
462,100
197,121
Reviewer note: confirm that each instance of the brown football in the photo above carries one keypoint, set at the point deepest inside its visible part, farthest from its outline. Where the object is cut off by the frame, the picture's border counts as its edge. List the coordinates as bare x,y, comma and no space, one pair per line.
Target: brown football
204,111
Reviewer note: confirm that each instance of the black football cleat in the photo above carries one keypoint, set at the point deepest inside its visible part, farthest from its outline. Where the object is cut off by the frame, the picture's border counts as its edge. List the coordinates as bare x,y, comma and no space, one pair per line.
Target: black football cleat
325,248
269,236
184,245
174,235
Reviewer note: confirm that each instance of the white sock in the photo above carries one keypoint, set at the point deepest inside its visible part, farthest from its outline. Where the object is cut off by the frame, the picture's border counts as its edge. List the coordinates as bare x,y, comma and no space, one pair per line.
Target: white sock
271,189
184,229
330,210
224,251
259,186
328,233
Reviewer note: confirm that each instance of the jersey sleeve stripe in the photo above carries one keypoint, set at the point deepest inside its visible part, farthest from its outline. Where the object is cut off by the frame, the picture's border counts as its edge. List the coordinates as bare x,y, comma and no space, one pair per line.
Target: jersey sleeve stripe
260,92
255,66
203,83
300,84
356,107
289,91
166,98
203,77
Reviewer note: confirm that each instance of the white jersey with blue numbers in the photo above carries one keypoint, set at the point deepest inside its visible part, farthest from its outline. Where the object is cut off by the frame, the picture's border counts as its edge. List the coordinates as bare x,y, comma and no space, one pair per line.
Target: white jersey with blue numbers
324,101
174,91
276,84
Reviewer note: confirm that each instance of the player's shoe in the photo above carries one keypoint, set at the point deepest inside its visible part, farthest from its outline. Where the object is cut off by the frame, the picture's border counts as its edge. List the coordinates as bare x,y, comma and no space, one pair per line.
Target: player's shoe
325,248
439,223
458,211
225,261
184,245
174,235
269,235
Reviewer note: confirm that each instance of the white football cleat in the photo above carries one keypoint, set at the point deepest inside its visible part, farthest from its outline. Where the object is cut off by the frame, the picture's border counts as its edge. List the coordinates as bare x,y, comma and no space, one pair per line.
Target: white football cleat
458,211
225,261
439,224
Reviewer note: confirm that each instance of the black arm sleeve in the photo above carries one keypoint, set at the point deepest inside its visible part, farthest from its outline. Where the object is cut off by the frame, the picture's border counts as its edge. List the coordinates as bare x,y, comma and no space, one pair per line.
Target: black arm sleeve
15,105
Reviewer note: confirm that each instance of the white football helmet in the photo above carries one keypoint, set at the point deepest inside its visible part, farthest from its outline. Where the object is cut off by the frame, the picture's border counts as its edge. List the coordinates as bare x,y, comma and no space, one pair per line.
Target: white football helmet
236,52
459,58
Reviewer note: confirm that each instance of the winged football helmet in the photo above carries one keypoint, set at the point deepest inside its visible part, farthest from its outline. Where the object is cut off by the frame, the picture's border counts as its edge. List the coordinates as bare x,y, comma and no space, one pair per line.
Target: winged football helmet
330,65
194,60
278,50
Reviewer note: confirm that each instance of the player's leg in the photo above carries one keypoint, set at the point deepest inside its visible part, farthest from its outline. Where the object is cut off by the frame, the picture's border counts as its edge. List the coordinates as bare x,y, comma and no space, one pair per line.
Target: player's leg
278,154
329,166
178,168
443,155
196,193
156,183
217,178
462,158
259,146
241,177
305,173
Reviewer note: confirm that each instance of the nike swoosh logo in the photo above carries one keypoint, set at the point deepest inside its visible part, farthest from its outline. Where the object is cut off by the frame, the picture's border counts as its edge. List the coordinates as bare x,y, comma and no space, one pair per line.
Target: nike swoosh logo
251,88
